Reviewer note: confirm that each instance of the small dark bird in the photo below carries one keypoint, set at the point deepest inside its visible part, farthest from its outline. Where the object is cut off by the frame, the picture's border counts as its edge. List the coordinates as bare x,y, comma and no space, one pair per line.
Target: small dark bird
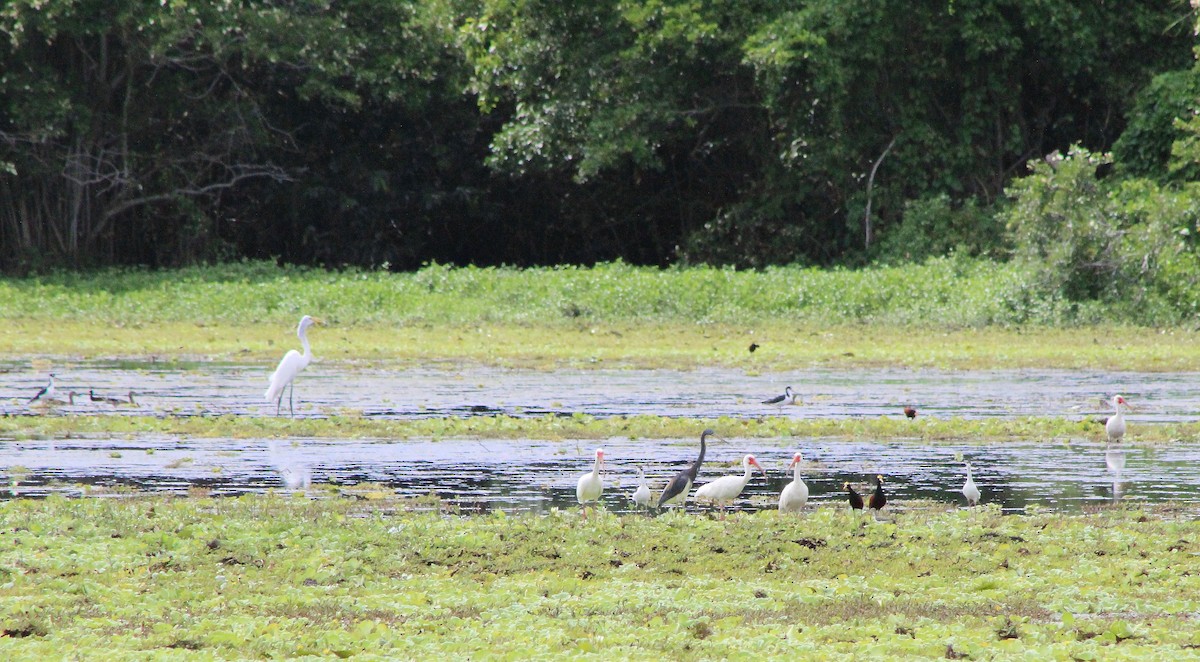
676,490
856,501
98,398
878,498
753,346
910,412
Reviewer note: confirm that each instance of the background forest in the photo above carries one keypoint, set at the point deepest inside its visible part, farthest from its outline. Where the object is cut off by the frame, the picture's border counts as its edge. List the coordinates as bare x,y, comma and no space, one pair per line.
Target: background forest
395,133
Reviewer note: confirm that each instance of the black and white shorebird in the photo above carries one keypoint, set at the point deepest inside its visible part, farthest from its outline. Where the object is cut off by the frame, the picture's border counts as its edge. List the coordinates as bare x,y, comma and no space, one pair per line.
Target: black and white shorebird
676,491
788,398
46,394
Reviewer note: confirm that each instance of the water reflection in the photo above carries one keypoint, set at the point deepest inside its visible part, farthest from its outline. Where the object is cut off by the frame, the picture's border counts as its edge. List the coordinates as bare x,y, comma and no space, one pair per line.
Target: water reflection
535,475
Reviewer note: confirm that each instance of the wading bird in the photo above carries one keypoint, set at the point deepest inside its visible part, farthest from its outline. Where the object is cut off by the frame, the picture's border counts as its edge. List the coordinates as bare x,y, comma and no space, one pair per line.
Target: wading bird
970,490
590,485
722,491
289,366
910,412
47,392
641,496
795,493
676,490
856,502
1115,425
112,401
878,498
788,398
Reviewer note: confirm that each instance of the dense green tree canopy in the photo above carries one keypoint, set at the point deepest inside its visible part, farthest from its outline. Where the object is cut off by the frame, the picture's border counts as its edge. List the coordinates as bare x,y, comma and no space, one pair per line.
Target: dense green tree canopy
532,131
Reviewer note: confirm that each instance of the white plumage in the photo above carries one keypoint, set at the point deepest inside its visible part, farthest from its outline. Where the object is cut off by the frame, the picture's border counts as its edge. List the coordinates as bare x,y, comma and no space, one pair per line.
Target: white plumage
1115,426
724,490
970,490
590,485
641,496
795,493
289,366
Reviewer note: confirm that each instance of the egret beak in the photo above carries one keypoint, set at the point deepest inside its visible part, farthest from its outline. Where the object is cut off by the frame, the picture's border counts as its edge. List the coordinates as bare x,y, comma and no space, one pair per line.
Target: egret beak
318,321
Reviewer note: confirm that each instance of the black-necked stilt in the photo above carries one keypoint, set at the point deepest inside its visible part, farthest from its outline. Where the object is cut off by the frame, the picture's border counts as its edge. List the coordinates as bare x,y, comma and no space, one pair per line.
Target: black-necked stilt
641,496
794,494
47,392
1115,425
676,490
788,398
878,498
722,491
856,501
970,490
590,485
289,366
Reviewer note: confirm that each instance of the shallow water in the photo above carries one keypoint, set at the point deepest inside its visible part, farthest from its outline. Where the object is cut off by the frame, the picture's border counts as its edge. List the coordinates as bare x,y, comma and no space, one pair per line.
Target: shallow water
535,476
329,389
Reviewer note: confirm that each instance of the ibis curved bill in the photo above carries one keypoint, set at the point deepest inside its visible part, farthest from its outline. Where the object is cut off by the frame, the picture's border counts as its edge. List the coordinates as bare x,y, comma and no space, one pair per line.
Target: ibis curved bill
289,366
722,491
1115,425
676,491
795,493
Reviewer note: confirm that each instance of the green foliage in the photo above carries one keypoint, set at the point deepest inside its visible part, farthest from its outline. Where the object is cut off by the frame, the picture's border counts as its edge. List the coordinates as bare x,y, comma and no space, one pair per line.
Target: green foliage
1129,247
1145,148
935,227
272,577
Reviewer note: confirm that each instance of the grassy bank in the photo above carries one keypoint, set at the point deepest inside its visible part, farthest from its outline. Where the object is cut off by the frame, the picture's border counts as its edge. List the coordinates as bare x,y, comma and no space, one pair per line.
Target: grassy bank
275,577
581,426
951,313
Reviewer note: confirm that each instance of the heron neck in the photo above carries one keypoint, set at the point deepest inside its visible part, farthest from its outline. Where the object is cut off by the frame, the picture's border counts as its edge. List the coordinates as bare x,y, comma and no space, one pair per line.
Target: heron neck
695,468
304,343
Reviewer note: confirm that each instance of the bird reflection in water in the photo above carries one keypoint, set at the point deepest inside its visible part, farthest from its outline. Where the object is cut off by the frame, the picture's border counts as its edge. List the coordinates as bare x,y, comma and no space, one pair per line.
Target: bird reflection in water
1114,457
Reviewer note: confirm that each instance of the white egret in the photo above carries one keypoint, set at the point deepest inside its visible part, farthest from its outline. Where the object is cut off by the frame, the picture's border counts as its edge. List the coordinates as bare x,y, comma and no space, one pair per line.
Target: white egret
795,493
722,491
641,496
590,485
970,490
289,366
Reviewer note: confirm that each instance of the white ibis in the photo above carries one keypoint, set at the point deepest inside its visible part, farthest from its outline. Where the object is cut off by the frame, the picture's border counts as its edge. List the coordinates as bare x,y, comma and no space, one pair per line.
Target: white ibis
676,490
1115,425
641,496
47,392
722,491
590,485
856,502
970,490
878,498
788,398
795,493
289,366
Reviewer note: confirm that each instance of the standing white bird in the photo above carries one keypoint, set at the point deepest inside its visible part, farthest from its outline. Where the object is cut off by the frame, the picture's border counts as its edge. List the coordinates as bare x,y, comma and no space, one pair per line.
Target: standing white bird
1115,425
722,491
970,490
289,366
641,496
590,485
795,493
47,392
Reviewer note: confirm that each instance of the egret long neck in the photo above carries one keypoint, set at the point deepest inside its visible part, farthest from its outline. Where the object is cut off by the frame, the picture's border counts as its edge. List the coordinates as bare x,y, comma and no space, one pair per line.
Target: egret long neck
303,334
